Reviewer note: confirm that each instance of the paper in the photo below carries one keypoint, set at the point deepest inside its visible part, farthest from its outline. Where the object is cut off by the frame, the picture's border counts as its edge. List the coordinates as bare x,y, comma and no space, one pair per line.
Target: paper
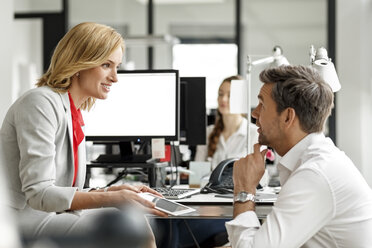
238,97
158,148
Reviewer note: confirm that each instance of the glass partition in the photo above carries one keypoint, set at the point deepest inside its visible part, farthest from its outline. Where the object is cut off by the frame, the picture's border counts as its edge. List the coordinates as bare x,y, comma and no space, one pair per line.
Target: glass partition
206,33
128,17
293,25
198,37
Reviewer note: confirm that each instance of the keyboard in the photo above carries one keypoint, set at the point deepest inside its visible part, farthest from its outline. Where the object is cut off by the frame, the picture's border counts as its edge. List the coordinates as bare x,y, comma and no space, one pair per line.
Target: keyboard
176,194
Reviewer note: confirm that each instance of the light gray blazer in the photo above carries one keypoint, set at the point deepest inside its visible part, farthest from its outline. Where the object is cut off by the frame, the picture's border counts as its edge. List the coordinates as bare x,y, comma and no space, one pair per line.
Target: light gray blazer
36,152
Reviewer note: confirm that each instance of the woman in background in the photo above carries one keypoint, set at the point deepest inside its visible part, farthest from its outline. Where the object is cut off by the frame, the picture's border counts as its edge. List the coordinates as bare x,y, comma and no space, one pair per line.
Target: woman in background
227,138
42,144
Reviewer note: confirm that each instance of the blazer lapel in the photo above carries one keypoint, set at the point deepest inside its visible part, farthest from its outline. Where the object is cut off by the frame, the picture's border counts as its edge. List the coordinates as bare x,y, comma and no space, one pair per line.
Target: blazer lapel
80,178
66,105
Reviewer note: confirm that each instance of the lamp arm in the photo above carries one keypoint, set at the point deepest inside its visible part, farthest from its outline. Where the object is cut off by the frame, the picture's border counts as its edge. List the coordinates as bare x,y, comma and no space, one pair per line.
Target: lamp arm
278,59
266,60
248,80
250,64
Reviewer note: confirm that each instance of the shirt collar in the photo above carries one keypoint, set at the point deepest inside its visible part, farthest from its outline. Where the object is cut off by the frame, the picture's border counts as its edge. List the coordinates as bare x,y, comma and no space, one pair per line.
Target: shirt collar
292,159
242,131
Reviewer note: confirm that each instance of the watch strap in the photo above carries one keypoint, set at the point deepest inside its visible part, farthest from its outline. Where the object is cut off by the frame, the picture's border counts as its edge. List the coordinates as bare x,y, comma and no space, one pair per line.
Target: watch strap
244,197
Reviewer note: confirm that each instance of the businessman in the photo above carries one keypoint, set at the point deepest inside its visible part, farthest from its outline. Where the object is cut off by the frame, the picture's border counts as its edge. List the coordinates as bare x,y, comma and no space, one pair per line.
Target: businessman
324,200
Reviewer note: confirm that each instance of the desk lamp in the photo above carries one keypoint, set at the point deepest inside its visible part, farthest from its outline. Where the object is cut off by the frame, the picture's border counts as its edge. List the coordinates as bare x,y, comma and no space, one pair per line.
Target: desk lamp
319,61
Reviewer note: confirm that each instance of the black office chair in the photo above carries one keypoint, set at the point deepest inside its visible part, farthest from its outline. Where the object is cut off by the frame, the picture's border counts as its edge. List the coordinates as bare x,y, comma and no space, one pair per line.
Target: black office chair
114,229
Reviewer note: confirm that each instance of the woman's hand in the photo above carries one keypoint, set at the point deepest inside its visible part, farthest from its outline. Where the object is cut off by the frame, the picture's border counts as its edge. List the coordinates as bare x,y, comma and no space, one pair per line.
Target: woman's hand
130,195
116,196
135,188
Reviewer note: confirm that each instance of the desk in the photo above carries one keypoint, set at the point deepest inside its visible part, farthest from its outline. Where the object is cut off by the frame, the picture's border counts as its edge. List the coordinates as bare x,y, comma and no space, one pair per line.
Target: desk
210,206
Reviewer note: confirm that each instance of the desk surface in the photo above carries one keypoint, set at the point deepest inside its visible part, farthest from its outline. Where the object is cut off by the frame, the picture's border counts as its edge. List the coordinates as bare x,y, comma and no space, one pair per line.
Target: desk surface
210,206
205,199
220,212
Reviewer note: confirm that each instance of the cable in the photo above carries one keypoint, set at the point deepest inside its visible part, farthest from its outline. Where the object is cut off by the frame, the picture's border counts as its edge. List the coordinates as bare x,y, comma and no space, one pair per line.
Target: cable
121,175
142,145
192,235
125,173
208,188
170,233
171,168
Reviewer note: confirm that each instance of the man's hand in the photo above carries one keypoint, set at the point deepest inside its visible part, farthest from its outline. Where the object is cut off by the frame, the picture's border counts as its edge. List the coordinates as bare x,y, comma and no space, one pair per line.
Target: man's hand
249,170
247,173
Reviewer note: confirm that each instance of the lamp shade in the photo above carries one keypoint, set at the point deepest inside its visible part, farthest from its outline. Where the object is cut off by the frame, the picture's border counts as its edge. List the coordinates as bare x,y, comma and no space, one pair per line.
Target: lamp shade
324,66
327,70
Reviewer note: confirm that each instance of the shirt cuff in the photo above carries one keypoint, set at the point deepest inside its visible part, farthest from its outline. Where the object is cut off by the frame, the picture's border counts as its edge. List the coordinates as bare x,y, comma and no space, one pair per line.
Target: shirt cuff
246,219
242,229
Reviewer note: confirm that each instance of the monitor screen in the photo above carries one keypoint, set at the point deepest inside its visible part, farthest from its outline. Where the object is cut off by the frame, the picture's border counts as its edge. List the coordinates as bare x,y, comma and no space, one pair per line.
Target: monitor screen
143,104
193,119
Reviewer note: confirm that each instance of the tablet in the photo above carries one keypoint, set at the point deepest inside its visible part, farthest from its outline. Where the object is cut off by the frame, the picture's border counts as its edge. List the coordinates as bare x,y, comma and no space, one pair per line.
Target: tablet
167,206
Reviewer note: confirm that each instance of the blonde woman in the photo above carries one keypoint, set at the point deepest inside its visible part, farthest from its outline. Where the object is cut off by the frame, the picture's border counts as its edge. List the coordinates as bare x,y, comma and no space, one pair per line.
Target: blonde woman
227,138
42,138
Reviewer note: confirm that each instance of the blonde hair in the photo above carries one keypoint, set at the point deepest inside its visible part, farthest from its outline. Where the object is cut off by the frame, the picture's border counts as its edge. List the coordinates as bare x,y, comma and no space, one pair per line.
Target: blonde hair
85,46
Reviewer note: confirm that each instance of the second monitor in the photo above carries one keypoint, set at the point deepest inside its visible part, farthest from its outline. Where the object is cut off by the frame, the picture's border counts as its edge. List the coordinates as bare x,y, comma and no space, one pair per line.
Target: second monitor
193,119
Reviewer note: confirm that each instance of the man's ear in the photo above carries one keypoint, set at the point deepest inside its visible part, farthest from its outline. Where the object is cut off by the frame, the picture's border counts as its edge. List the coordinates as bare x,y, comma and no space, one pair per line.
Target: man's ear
289,116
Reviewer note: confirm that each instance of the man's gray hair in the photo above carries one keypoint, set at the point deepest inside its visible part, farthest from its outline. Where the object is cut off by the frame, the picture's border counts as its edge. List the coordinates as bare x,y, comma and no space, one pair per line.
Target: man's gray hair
303,89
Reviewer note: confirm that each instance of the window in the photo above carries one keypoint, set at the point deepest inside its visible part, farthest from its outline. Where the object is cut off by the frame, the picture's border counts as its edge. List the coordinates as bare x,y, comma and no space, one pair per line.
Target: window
213,61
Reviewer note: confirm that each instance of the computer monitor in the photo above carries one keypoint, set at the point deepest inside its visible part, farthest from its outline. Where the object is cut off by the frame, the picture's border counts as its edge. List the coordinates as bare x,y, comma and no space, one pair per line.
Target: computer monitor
193,118
142,105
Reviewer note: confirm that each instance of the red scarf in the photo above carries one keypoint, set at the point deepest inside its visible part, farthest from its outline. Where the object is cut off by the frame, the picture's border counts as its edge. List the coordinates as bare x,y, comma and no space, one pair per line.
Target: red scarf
78,134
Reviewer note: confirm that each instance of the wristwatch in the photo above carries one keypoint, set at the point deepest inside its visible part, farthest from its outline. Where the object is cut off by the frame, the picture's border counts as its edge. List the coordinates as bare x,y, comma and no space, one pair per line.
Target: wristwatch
244,197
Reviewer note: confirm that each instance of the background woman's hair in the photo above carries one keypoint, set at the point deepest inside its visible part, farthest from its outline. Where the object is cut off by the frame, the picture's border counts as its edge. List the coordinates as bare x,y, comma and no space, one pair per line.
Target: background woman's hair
214,137
304,90
85,46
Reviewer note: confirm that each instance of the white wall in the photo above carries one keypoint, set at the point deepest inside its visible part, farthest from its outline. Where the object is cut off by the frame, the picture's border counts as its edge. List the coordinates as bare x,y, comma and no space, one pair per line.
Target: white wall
37,6
9,235
6,51
27,54
354,102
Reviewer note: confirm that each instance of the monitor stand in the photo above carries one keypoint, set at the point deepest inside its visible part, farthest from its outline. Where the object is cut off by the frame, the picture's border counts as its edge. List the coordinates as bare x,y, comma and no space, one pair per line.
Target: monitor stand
126,155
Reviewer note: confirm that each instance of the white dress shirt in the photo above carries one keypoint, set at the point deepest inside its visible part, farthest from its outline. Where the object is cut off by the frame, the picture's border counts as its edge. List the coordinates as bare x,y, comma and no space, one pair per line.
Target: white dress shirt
324,202
234,147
